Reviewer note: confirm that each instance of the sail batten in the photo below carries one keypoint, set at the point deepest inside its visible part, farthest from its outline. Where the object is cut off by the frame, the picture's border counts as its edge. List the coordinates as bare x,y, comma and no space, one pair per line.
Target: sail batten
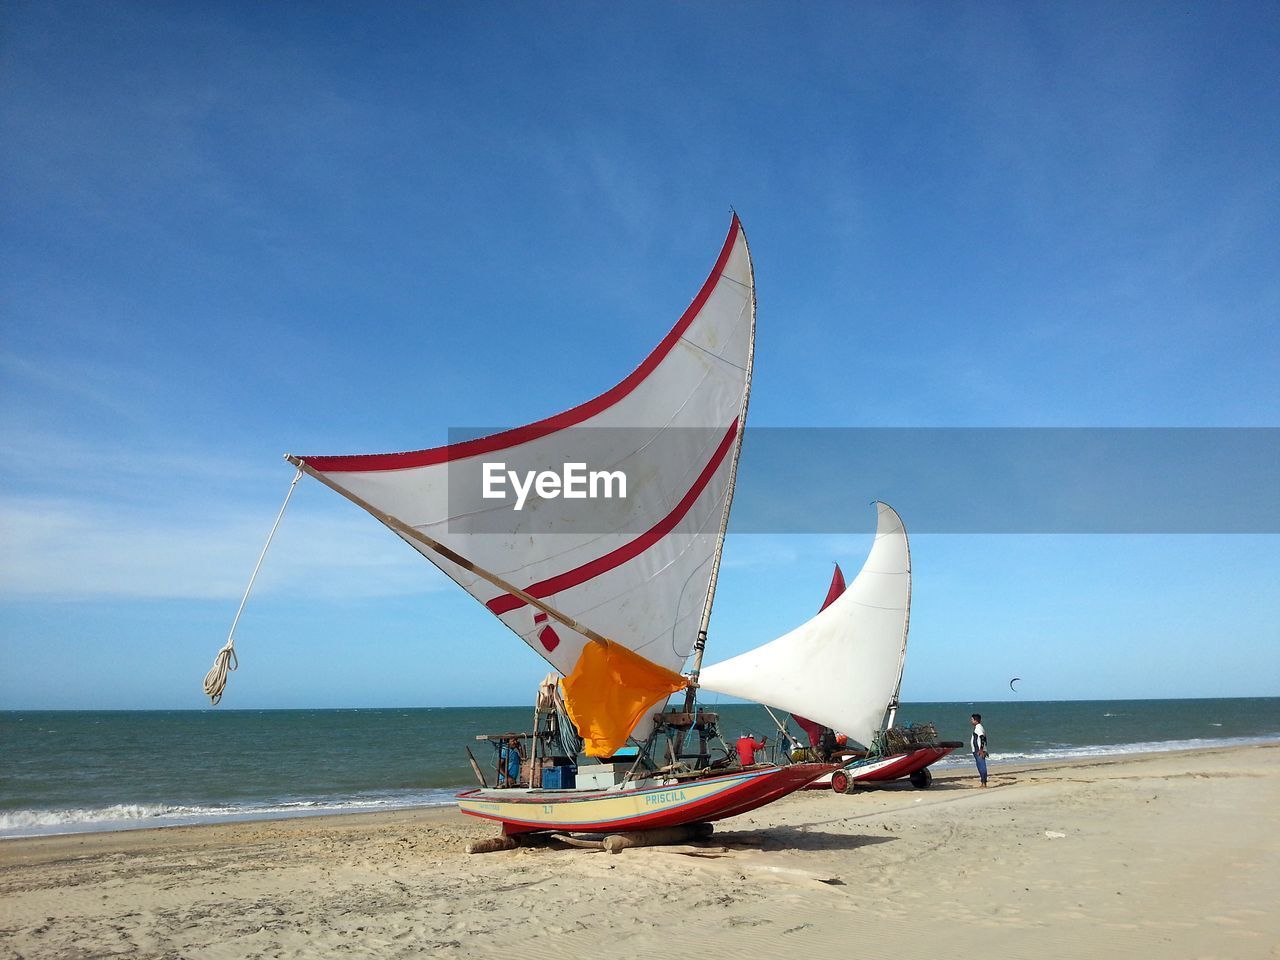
418,540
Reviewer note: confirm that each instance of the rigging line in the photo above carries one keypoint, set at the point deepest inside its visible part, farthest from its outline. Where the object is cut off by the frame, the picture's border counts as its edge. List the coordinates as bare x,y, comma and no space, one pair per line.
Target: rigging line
215,681
906,621
874,606
713,355
700,645
782,727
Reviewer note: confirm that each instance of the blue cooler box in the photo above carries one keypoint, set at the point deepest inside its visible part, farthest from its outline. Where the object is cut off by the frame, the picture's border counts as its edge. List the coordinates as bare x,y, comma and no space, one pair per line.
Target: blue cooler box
558,778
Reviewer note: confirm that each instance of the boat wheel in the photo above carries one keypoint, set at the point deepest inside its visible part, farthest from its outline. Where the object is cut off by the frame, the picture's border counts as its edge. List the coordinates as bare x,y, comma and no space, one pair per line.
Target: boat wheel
921,778
840,782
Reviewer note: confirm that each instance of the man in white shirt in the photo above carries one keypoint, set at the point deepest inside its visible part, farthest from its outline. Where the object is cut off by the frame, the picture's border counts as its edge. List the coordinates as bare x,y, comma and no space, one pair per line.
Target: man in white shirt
979,744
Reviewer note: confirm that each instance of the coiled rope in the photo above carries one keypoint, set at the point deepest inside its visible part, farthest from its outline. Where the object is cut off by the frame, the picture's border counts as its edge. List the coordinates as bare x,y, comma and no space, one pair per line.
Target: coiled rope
215,681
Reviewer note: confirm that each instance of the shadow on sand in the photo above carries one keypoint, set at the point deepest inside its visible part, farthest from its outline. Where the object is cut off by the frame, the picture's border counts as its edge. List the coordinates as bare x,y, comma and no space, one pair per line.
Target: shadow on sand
794,838
939,785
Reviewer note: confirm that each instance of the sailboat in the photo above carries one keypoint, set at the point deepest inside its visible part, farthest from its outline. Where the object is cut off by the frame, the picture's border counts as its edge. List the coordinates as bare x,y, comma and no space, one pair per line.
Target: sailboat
843,669
615,592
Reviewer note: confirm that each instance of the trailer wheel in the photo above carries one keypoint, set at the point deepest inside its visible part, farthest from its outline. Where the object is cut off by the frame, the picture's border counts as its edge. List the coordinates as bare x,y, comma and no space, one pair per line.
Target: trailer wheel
921,778
840,782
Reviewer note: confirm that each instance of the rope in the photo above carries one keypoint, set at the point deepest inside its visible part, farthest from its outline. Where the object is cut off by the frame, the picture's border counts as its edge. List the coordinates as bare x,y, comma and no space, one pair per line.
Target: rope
215,681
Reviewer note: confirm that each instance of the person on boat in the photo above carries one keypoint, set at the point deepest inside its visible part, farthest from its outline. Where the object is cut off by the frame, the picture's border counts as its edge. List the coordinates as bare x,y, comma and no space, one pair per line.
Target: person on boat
795,749
978,742
509,763
747,747
827,743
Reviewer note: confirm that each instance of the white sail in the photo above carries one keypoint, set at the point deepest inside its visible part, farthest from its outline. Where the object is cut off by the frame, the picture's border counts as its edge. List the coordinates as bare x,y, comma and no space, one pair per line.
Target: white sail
636,570
843,668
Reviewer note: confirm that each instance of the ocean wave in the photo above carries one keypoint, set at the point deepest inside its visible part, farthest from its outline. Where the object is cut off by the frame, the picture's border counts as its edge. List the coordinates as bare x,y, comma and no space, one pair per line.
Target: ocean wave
24,819
1107,750
132,816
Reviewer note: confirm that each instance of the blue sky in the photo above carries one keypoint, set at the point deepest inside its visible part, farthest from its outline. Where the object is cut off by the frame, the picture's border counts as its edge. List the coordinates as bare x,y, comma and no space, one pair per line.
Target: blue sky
232,231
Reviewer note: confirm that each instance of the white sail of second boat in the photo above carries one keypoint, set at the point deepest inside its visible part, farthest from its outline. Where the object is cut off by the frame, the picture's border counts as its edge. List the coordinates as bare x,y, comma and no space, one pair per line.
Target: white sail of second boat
843,668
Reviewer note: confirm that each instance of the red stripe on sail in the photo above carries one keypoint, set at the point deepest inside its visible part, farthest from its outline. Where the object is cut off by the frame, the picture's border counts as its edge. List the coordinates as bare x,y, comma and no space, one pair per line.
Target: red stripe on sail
533,431
814,730
628,551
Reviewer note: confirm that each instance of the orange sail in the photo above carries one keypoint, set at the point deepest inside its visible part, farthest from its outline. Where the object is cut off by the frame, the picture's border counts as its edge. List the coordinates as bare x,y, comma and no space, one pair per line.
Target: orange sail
608,692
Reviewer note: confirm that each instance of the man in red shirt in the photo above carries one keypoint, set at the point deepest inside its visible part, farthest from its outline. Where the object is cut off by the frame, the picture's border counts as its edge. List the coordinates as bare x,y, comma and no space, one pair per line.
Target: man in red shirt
747,746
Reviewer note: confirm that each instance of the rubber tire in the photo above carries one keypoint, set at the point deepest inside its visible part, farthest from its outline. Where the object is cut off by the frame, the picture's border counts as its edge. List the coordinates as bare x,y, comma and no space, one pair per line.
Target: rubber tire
840,782
921,778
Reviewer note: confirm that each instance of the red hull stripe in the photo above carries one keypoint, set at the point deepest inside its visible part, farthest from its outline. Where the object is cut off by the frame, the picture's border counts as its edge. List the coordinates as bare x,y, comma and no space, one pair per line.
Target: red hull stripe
738,796
533,431
914,761
902,766
628,551
723,782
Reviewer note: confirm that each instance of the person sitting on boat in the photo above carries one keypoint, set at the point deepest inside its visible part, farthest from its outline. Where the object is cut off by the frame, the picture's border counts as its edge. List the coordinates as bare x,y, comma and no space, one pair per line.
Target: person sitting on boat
747,746
795,749
509,763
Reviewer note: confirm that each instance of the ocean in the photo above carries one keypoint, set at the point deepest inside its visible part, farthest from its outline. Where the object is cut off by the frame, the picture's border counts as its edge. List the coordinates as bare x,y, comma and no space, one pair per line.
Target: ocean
76,771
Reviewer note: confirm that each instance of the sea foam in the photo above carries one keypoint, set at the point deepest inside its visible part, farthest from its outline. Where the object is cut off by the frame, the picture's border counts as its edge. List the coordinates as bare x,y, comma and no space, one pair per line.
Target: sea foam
1106,750
132,816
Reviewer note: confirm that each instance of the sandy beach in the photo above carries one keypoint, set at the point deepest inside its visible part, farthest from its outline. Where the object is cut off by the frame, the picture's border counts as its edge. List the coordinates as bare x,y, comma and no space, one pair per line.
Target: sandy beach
1172,855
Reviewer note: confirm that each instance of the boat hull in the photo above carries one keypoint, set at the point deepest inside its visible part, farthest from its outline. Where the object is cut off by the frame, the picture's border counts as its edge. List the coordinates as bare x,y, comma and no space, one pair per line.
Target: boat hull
611,811
882,769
